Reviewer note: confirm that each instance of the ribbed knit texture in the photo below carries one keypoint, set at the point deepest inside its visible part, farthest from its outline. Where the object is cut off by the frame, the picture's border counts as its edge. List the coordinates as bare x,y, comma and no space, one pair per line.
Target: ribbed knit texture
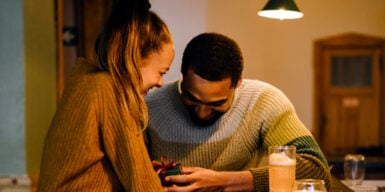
260,116
88,146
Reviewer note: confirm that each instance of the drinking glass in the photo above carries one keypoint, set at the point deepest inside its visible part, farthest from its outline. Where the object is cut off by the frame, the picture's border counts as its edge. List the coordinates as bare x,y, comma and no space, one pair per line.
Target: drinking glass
281,168
309,185
354,169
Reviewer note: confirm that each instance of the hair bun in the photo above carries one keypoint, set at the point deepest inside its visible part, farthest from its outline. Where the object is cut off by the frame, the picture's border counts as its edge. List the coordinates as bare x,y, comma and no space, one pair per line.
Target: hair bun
145,5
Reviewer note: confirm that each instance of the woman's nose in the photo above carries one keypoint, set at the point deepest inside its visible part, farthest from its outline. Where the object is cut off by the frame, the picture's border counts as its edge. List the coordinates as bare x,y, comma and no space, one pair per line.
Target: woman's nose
160,82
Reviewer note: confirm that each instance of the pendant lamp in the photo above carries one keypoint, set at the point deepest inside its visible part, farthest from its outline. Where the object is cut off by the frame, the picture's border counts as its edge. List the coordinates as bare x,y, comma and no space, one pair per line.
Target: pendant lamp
281,9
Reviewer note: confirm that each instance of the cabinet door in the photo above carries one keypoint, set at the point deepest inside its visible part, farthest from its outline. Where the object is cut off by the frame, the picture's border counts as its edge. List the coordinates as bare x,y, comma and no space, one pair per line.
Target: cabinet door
349,95
82,20
90,17
351,100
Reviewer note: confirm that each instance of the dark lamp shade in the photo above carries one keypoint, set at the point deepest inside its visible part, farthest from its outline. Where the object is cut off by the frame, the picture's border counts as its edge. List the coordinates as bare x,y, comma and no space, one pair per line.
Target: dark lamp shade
280,9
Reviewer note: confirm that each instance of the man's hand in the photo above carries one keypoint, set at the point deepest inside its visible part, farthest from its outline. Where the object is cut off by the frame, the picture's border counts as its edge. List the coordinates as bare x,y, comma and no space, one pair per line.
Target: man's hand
200,179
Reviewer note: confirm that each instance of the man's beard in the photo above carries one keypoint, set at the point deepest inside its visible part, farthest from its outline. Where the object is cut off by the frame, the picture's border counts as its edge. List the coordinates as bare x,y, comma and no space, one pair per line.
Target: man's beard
203,122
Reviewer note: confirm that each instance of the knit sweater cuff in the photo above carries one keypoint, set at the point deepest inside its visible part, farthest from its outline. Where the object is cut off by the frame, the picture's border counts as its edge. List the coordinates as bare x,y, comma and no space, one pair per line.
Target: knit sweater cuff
261,179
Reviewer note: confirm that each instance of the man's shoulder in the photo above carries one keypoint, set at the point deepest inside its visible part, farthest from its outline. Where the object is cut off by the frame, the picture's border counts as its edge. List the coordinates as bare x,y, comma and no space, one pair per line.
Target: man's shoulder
256,88
166,91
255,85
254,82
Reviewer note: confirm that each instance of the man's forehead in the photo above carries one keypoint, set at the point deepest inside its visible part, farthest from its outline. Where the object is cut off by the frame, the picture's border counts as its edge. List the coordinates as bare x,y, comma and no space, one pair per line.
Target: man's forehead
193,79
207,91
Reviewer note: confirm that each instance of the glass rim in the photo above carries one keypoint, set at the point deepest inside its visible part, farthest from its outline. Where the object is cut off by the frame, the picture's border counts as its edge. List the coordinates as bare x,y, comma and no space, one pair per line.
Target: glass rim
311,181
281,146
354,157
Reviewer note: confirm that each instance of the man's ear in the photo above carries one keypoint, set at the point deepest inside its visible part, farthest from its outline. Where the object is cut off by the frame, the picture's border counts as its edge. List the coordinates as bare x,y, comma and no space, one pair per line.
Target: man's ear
239,81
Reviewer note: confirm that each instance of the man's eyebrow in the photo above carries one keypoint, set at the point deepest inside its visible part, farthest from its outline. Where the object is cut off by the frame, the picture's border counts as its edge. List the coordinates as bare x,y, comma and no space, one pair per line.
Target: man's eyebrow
192,97
219,102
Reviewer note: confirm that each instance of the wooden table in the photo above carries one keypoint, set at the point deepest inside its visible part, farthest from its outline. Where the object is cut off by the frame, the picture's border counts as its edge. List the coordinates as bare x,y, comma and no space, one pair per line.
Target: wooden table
369,184
338,186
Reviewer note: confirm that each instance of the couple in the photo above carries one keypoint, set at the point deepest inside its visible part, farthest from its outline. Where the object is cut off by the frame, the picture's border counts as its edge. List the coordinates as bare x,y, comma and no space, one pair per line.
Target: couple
216,124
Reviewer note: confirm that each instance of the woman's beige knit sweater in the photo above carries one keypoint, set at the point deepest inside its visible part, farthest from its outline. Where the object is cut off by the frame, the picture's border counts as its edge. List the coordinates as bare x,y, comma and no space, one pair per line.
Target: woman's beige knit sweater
88,146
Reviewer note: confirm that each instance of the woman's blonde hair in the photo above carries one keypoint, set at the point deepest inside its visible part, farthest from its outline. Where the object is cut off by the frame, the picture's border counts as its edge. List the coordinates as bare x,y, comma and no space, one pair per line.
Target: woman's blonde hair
130,34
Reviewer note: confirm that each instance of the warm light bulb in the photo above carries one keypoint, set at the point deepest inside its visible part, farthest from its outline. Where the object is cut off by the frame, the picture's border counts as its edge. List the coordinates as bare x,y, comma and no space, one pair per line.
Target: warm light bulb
280,14
281,9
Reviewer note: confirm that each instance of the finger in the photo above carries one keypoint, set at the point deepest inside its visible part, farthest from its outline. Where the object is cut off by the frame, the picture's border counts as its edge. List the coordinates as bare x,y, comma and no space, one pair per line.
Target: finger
178,179
189,170
175,188
171,188
178,188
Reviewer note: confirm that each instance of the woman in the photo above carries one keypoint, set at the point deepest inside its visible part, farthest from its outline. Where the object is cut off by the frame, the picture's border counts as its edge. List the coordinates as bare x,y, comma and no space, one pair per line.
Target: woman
95,140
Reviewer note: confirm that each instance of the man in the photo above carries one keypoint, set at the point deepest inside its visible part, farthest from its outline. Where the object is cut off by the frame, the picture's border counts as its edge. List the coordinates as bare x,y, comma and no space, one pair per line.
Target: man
219,126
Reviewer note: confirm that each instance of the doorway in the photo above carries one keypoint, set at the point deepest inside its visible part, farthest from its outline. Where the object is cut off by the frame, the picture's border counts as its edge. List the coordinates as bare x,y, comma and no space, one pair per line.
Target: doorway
78,24
349,91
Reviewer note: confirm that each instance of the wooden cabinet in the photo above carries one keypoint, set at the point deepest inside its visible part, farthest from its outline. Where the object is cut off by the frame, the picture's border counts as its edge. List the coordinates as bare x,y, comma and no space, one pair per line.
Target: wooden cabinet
86,18
349,95
90,17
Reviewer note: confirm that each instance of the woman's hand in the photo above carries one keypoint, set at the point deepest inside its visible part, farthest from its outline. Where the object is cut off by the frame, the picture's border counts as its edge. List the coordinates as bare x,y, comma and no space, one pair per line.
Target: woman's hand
200,179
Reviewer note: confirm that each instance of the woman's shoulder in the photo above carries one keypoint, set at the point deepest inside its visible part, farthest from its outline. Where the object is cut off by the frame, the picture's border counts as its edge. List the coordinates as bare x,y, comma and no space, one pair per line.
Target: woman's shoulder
90,73
87,78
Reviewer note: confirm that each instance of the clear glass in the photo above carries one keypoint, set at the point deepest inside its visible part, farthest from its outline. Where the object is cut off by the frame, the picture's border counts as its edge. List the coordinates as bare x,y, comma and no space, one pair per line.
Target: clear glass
354,169
281,168
309,185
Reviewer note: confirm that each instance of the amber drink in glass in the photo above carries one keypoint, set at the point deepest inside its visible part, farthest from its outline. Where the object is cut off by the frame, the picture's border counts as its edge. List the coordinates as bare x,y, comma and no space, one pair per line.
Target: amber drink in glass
281,168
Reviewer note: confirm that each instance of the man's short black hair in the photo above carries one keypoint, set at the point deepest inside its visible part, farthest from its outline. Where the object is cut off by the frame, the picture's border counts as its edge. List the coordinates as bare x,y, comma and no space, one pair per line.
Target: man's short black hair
213,57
